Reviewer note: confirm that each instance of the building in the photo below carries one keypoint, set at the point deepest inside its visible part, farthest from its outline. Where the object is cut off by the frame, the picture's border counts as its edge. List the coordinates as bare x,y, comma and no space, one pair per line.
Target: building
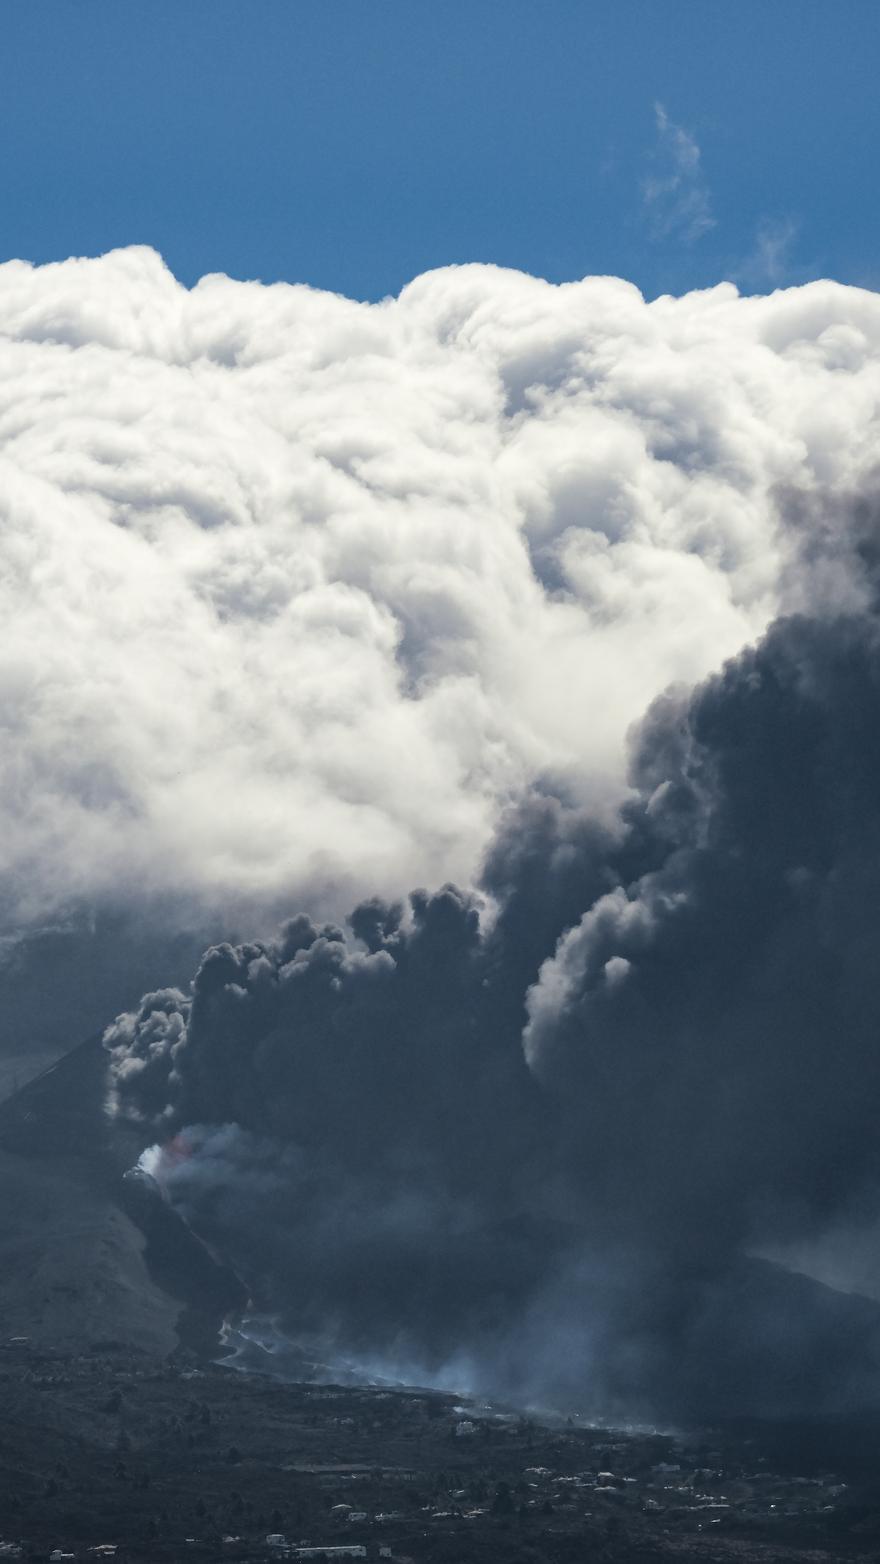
354,1550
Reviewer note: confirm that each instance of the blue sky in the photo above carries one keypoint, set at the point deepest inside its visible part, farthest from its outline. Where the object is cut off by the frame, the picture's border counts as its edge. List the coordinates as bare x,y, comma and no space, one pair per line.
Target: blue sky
355,143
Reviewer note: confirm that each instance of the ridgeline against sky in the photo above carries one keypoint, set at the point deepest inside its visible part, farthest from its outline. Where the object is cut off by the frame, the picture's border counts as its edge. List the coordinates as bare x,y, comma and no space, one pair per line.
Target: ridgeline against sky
560,596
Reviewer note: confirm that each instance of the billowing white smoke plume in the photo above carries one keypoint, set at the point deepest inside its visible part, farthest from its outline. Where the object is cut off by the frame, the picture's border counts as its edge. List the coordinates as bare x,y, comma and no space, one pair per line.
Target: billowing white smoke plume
297,592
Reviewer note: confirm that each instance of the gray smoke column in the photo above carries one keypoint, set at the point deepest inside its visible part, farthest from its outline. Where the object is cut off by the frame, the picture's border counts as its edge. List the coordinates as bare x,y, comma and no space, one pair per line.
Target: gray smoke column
535,1135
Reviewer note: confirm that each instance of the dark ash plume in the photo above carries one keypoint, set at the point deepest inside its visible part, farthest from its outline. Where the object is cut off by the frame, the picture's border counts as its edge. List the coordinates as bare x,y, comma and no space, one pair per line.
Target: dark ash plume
536,1138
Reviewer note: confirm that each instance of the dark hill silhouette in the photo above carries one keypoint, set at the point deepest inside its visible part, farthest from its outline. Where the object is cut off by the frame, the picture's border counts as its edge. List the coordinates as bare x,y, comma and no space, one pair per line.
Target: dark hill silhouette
84,1258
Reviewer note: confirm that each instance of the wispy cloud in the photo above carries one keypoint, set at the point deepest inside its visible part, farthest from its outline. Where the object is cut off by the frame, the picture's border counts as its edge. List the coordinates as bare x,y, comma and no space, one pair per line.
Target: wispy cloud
676,198
769,264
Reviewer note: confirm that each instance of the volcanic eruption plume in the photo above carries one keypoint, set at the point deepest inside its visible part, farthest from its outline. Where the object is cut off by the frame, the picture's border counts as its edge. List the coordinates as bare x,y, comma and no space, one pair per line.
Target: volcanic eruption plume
557,602
533,1135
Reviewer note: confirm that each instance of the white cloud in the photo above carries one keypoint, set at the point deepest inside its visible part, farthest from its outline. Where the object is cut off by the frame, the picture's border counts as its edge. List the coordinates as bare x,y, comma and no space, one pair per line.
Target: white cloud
297,591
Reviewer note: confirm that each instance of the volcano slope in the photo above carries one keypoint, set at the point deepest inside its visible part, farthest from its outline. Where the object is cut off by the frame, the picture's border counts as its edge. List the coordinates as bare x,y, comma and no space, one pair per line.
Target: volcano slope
84,1258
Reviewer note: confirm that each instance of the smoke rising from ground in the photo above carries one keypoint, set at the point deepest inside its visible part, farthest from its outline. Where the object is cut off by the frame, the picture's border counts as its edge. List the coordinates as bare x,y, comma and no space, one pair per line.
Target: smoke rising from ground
539,1148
